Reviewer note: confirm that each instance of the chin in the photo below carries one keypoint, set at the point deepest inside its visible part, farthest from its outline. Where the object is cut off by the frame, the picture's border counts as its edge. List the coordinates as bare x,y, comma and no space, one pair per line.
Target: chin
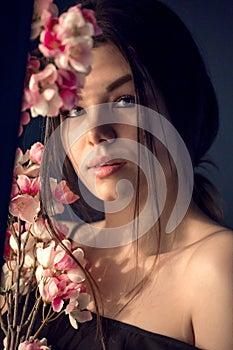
106,194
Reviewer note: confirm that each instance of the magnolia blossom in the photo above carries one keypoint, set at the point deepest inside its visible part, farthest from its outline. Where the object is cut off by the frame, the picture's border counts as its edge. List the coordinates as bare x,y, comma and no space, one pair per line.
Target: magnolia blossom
24,198
50,43
39,230
77,56
61,195
76,310
27,185
36,152
33,67
77,22
43,11
89,16
42,94
74,33
59,276
25,207
24,165
69,87
9,277
34,345
20,157
30,345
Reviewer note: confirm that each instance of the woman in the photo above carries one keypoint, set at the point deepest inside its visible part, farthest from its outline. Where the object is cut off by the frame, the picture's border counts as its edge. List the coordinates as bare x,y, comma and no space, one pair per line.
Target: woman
155,290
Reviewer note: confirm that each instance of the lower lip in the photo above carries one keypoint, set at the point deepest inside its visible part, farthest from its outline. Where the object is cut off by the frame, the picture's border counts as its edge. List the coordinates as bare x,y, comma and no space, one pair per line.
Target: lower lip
107,170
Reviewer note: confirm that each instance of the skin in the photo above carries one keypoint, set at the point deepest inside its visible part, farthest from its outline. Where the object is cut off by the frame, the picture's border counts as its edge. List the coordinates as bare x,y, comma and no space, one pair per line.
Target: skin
187,292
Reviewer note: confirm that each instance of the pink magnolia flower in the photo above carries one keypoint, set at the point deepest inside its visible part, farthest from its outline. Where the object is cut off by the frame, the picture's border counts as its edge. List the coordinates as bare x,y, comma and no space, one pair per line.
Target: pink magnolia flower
69,87
73,23
23,166
40,231
25,207
76,310
27,185
35,345
63,261
75,33
53,274
63,193
43,11
20,157
51,45
89,16
77,56
43,95
45,256
36,152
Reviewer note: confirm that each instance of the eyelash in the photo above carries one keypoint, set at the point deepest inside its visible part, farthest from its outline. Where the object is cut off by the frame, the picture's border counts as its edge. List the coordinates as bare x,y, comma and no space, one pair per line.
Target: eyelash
79,111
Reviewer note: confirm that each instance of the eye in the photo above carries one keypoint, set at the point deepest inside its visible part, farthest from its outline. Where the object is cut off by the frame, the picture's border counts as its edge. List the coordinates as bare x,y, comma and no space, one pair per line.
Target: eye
76,112
124,101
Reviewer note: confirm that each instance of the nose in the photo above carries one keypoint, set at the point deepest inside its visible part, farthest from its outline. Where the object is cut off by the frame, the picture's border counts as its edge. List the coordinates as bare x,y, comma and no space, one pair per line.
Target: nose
100,134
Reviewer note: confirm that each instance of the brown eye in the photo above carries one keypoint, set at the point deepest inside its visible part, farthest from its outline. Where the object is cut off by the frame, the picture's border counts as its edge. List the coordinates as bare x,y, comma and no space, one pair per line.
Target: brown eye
76,112
126,101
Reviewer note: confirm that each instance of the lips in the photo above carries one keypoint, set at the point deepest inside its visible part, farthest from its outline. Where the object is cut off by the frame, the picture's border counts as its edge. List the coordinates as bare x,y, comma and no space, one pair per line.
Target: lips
103,167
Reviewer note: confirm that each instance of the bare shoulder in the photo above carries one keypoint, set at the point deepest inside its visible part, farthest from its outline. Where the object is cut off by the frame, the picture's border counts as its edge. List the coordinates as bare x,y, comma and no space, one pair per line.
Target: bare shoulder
210,272
216,250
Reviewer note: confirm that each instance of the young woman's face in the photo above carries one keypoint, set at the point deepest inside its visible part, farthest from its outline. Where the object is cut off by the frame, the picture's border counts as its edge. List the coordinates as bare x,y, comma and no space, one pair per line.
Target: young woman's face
105,150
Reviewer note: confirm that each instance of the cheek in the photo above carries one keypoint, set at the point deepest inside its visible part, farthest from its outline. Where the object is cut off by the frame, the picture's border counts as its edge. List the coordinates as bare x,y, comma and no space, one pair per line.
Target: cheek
127,131
76,154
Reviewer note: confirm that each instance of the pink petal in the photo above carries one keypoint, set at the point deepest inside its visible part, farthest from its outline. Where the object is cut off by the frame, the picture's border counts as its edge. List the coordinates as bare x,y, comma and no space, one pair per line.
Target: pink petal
83,300
57,304
36,152
84,316
64,194
24,184
76,275
53,288
49,94
25,207
35,186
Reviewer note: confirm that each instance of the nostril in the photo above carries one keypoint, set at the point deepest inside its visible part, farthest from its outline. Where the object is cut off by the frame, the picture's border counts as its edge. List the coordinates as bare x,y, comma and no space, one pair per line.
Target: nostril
101,134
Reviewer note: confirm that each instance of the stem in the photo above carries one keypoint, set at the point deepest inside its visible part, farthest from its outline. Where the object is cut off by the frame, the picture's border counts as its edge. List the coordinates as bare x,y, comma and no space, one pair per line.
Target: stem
51,319
9,301
26,304
25,307
14,329
36,309
47,320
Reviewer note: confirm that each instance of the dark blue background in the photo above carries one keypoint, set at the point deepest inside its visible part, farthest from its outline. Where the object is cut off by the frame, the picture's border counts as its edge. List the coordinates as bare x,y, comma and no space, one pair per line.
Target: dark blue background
211,23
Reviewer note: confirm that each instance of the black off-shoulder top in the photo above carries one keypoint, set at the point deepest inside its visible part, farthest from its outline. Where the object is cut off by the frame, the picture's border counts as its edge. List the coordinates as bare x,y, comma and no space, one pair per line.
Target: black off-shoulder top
118,336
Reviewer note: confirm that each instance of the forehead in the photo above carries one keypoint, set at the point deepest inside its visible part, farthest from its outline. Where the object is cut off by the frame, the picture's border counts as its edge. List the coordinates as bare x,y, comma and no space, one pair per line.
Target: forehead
108,66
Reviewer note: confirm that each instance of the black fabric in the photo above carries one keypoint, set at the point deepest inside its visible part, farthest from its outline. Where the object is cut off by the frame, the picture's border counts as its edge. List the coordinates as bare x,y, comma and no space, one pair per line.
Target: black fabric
118,336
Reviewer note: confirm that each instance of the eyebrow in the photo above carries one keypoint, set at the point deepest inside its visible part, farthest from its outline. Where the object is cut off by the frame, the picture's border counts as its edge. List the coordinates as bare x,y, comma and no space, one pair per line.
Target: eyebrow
115,84
120,81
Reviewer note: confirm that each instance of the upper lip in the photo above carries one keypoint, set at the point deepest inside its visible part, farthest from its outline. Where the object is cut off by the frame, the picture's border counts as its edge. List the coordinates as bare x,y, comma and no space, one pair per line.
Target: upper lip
103,160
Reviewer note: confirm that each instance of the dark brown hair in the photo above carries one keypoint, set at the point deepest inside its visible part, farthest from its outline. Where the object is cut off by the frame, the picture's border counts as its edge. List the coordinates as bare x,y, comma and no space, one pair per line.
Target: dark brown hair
161,52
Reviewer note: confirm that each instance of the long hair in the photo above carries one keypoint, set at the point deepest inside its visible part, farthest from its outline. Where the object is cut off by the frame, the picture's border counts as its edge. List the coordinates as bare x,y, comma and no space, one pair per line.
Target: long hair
163,57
